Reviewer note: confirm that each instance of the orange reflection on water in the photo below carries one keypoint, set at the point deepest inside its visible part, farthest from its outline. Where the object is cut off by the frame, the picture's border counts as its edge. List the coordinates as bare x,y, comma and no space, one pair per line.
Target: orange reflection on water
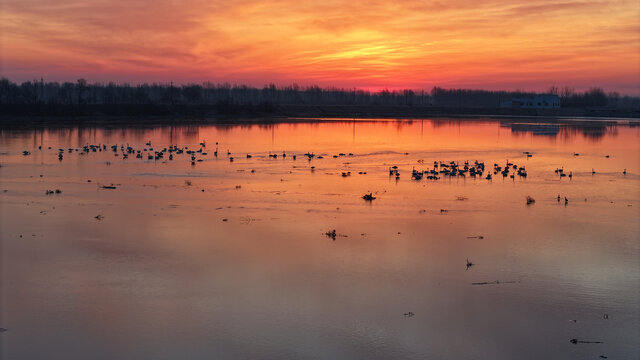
267,279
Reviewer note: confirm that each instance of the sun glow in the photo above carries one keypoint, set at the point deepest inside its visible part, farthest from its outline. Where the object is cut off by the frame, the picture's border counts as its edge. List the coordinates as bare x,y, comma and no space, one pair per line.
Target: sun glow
334,43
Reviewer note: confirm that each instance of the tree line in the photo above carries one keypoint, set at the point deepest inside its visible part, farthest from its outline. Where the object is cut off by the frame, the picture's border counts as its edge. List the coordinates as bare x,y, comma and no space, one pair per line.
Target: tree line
224,94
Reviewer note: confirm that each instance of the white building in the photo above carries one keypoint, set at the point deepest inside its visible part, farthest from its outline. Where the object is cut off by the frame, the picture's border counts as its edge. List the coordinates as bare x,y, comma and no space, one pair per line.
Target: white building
547,101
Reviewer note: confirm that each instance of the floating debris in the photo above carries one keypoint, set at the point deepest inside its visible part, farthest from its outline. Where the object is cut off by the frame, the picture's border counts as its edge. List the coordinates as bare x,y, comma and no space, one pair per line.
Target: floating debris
469,264
99,217
369,197
246,220
497,282
576,341
409,314
331,234
108,187
476,237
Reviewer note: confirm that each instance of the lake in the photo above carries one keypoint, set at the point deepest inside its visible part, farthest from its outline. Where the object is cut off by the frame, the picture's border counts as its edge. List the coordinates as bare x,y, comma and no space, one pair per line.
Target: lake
221,259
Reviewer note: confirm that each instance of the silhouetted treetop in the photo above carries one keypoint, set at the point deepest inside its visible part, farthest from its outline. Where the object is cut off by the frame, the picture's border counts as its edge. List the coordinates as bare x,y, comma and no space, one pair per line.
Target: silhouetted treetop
225,95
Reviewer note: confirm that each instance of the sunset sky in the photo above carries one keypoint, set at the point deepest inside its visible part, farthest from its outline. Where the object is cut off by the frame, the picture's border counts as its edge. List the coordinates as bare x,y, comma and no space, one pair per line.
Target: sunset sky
495,44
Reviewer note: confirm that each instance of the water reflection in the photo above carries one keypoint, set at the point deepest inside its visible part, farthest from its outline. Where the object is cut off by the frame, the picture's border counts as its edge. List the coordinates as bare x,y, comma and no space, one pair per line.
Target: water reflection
79,135
235,262
593,130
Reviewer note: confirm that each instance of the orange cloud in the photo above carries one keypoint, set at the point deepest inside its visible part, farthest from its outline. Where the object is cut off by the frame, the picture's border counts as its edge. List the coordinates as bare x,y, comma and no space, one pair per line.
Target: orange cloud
371,44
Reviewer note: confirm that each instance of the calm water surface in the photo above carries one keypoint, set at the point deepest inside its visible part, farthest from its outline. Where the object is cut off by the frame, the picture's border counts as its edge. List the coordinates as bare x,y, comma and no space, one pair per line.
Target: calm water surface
229,260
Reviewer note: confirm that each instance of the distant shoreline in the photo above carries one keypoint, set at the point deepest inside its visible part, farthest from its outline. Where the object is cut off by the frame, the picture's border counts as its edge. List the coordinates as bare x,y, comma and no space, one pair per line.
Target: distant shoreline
118,114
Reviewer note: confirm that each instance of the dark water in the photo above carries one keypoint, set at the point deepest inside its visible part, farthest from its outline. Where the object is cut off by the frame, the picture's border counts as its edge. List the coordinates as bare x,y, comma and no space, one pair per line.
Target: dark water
244,270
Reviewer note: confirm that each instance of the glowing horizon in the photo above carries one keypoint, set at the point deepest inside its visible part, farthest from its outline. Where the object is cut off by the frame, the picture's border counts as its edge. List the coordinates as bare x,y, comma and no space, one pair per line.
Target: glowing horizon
369,45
